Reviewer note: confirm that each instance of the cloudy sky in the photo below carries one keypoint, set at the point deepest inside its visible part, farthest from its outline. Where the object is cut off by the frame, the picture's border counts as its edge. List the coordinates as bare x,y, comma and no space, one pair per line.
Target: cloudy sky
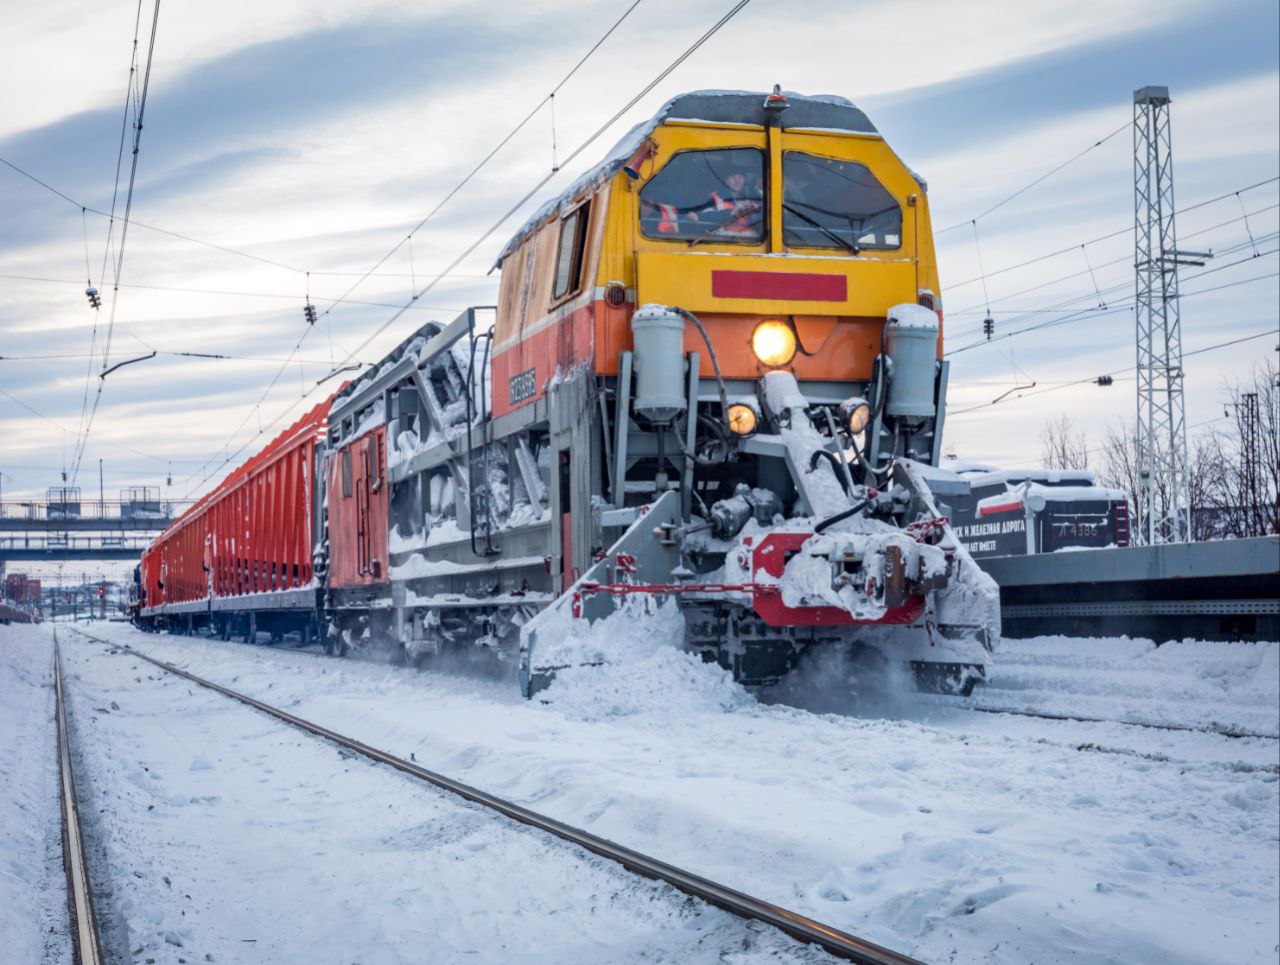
311,136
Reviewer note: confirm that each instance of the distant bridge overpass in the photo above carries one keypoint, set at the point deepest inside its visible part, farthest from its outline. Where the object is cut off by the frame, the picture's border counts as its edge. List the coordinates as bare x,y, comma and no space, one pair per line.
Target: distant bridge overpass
63,530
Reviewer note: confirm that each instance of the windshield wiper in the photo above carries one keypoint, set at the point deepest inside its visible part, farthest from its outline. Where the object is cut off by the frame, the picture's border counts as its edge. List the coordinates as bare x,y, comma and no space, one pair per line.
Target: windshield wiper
842,242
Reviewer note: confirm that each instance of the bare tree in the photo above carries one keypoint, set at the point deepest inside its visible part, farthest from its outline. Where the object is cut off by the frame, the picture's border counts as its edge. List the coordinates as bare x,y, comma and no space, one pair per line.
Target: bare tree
1118,469
1233,467
1061,446
1247,455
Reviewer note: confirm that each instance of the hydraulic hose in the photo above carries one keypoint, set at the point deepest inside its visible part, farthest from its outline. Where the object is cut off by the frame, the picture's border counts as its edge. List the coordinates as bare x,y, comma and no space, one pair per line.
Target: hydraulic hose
842,515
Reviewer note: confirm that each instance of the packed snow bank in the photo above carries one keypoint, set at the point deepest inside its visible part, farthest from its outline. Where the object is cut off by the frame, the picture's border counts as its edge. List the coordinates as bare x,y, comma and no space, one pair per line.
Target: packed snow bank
630,662
33,908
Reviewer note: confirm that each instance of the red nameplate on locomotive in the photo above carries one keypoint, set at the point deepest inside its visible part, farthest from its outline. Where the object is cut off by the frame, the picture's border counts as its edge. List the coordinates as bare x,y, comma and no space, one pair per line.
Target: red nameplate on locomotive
779,286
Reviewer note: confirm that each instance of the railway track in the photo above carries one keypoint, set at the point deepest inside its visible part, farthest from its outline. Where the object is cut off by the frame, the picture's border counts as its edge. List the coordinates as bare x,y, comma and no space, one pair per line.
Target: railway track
1234,733
83,920
1077,718
799,927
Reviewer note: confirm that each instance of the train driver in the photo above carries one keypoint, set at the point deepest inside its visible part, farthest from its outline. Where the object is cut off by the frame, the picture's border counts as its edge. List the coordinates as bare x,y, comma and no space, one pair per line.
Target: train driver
732,204
706,194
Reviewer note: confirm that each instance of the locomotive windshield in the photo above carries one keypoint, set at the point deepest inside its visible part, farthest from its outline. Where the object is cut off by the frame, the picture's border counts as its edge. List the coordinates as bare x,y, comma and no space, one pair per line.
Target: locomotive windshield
836,204
712,195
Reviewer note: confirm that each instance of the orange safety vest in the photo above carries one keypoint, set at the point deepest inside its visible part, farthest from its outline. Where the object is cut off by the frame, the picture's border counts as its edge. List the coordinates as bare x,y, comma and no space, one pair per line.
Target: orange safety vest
737,223
670,223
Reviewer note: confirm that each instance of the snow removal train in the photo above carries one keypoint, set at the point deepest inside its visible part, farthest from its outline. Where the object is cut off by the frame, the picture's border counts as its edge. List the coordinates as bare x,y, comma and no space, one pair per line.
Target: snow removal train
713,379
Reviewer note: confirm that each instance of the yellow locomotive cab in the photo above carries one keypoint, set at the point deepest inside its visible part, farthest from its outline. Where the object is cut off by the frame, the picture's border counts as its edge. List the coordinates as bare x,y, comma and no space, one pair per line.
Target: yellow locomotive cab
806,215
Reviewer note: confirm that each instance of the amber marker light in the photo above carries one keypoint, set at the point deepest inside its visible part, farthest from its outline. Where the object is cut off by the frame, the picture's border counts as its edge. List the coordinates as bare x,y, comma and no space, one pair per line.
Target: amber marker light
742,419
774,343
859,416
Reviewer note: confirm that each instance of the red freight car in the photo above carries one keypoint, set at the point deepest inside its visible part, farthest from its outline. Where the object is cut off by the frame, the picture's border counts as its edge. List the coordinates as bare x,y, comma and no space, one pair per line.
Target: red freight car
241,559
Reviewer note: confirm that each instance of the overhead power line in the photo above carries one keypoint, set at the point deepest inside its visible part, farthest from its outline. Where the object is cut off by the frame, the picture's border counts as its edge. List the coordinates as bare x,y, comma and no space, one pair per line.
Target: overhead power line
591,139
141,102
1092,379
1095,313
1126,259
548,99
221,291
1024,189
408,238
1101,293
688,52
1111,234
150,227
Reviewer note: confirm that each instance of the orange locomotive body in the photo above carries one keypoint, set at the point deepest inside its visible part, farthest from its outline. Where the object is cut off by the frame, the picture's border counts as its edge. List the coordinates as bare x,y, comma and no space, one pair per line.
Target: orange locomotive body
714,375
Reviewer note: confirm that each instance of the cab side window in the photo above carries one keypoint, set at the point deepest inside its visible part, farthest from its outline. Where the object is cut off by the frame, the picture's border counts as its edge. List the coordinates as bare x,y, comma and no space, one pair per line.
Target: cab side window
571,252
715,196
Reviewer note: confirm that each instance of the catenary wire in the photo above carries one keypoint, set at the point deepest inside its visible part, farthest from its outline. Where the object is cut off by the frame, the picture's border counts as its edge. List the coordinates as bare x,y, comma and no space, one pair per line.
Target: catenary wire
1025,188
1113,234
150,227
1127,258
445,200
688,52
485,160
1092,378
124,230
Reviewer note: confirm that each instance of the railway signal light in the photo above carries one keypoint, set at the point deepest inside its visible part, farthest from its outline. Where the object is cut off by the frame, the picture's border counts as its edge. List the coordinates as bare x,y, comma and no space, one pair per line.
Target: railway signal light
988,327
309,311
94,300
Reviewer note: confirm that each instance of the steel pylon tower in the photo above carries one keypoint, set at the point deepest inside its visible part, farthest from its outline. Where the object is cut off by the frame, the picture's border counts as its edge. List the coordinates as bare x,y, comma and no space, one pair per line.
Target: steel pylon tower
1163,500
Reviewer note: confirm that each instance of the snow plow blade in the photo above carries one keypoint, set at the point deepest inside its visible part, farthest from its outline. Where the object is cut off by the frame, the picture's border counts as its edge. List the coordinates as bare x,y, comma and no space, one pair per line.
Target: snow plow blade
648,552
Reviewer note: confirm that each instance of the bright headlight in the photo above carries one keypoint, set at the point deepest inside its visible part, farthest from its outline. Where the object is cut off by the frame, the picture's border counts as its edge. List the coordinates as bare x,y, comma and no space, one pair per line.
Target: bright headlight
774,343
742,419
859,416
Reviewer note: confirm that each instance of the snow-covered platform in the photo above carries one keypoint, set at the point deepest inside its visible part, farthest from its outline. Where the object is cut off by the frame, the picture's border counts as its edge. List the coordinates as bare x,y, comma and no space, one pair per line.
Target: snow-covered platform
1215,590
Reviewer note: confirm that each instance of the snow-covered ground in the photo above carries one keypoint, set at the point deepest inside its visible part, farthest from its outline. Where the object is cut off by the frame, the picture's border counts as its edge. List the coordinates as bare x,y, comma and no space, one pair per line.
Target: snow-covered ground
33,897
221,835
915,822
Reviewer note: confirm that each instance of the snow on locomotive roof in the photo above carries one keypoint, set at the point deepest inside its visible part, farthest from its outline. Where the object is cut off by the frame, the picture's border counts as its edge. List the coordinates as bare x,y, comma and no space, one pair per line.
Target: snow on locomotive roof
827,112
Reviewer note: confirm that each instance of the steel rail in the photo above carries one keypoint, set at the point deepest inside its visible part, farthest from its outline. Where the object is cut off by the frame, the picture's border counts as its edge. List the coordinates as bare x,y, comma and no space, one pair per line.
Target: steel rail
799,927
84,925
1219,731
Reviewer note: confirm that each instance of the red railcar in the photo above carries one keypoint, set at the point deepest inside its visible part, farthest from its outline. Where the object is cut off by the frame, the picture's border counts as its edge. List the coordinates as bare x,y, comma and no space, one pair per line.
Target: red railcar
241,559
357,506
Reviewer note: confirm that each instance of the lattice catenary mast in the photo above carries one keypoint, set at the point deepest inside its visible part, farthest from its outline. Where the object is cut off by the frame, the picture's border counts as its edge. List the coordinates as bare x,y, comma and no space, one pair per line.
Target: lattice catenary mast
1163,500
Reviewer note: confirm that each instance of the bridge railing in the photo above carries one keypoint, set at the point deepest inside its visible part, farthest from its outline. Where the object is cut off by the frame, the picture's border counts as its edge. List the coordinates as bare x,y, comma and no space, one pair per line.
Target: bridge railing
43,510
65,542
